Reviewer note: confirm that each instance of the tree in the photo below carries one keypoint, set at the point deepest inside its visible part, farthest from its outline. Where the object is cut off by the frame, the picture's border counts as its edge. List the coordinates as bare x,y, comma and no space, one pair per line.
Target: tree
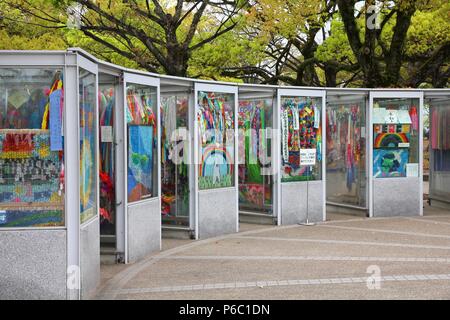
381,51
18,36
296,42
290,29
156,35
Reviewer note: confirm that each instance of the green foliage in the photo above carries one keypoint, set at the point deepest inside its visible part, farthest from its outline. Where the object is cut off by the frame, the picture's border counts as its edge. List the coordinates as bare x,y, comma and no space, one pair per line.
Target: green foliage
428,31
336,47
228,51
19,31
262,27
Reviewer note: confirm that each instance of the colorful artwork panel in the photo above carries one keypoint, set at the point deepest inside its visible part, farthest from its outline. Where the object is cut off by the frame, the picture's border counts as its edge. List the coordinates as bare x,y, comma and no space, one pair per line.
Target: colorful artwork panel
216,170
88,99
390,162
29,171
391,140
87,163
31,218
140,162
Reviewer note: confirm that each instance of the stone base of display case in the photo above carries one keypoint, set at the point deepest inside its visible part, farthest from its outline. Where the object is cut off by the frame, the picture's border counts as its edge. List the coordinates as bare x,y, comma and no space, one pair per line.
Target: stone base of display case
144,229
217,212
33,264
89,258
294,202
396,197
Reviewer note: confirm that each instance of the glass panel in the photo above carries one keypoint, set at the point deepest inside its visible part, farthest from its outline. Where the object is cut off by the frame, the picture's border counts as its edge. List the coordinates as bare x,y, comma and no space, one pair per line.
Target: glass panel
439,140
175,160
31,148
88,145
395,137
106,102
142,142
216,130
301,138
346,151
255,174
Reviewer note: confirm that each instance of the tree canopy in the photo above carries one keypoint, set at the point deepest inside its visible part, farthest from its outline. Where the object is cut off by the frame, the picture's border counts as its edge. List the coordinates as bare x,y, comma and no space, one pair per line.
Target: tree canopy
370,43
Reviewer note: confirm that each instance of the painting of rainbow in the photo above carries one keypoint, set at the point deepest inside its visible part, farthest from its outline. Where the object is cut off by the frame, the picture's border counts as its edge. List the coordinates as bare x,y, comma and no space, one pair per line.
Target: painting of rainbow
216,168
390,140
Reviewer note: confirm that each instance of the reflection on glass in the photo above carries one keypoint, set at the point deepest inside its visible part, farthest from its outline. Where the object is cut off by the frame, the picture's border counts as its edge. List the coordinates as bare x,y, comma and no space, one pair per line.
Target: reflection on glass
142,128
216,130
255,174
106,102
175,160
346,154
301,139
88,145
439,140
31,148
395,137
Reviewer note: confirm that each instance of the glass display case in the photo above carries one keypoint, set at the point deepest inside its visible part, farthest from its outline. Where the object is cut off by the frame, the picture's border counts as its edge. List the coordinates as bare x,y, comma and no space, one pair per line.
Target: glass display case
216,129
175,160
255,174
346,126
48,174
301,134
142,136
142,162
396,156
32,147
395,137
88,144
301,117
107,163
215,158
438,104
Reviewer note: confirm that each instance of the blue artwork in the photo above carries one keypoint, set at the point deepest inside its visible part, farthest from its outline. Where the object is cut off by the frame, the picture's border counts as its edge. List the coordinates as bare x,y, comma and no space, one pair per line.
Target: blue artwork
140,162
55,121
390,162
31,218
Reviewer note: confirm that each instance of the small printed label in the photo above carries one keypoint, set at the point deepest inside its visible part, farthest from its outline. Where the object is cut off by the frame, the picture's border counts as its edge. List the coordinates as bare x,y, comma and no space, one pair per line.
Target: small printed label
412,169
391,116
106,132
403,144
307,157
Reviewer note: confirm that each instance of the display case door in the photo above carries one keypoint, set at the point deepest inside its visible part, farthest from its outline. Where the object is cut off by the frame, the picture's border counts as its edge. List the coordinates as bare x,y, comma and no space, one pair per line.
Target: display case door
83,238
180,95
142,221
261,95
397,192
222,89
438,103
321,194
338,106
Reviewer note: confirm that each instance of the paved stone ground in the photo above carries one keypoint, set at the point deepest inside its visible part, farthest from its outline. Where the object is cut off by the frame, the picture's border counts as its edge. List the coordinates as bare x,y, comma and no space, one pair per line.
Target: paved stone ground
327,261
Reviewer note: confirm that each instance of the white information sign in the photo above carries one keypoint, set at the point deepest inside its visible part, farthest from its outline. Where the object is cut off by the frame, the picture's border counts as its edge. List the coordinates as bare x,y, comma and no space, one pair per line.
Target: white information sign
412,169
106,132
307,157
